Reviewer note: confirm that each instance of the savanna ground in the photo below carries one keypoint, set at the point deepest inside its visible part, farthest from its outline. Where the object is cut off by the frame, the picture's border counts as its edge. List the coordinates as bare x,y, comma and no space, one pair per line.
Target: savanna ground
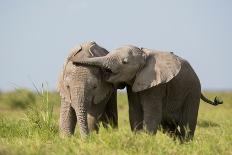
29,125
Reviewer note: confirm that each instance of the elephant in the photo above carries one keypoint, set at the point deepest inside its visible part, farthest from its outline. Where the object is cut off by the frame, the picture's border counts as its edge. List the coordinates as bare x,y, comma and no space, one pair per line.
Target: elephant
162,88
86,97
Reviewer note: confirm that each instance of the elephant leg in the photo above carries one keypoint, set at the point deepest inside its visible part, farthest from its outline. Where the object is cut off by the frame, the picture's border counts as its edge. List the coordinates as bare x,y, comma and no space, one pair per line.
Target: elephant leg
110,115
171,129
100,112
92,123
79,104
67,119
135,110
152,114
189,117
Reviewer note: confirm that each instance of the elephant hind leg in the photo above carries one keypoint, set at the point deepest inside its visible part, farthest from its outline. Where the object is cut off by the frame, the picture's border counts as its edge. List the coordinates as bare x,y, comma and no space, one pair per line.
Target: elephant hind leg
67,119
107,121
171,128
92,123
189,117
110,115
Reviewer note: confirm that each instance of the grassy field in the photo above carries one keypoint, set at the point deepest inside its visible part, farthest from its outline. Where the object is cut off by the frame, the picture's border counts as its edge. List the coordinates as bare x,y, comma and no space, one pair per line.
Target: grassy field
29,125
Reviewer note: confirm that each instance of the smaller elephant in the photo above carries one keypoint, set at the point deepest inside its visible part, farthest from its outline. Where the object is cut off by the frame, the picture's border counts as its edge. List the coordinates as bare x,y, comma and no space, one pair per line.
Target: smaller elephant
86,97
162,88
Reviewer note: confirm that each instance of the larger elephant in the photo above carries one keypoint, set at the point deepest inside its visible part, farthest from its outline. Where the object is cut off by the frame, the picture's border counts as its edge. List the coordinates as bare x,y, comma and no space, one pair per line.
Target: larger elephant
86,97
162,88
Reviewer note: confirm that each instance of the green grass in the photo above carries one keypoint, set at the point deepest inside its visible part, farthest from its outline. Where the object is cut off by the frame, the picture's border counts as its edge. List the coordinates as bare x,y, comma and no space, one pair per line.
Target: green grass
33,129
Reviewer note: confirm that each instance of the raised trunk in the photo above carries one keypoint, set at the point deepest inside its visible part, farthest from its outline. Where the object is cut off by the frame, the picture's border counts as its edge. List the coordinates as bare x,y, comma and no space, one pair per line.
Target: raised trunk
102,62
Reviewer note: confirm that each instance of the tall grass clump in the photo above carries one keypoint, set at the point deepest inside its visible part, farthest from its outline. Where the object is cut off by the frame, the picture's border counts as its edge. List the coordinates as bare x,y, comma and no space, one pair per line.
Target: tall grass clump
18,99
40,115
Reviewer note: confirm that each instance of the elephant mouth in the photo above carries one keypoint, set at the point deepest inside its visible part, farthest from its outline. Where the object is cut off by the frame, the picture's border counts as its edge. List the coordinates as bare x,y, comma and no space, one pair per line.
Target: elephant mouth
104,99
108,73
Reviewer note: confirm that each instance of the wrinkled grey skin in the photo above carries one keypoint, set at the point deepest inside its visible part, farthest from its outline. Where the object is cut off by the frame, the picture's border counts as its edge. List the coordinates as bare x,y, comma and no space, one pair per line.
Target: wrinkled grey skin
86,97
162,88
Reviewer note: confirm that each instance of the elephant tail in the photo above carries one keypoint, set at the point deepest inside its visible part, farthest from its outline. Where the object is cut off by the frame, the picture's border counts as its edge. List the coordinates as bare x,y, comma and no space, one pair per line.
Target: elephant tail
216,101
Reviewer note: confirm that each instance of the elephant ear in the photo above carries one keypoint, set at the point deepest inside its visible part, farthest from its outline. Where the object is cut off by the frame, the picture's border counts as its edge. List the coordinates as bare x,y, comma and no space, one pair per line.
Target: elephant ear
74,52
62,84
90,49
97,51
160,68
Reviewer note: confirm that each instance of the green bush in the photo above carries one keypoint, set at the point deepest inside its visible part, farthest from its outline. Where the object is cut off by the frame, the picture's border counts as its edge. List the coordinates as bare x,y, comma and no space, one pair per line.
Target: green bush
40,115
23,98
20,98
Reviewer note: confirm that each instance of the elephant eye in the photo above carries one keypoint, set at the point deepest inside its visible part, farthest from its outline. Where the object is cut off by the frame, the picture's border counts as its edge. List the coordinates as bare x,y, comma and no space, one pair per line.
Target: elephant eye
125,61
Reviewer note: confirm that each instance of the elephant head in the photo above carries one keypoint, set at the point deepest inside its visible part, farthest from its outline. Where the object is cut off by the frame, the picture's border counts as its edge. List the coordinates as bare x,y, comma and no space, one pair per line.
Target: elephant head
80,86
140,68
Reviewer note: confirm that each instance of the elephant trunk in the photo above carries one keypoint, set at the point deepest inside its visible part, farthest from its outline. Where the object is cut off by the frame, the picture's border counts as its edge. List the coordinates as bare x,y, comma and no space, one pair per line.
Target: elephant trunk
102,62
80,106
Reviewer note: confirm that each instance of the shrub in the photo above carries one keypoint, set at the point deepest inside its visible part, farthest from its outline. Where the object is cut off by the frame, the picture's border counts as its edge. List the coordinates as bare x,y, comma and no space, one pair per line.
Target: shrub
20,98
40,115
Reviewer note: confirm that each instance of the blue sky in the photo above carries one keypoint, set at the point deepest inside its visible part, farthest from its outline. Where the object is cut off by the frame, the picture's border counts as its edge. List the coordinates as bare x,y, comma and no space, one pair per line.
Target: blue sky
35,36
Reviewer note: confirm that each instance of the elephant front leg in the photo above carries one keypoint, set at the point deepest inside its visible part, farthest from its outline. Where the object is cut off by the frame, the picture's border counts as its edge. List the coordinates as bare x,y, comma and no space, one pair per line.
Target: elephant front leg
135,110
152,114
135,116
67,119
